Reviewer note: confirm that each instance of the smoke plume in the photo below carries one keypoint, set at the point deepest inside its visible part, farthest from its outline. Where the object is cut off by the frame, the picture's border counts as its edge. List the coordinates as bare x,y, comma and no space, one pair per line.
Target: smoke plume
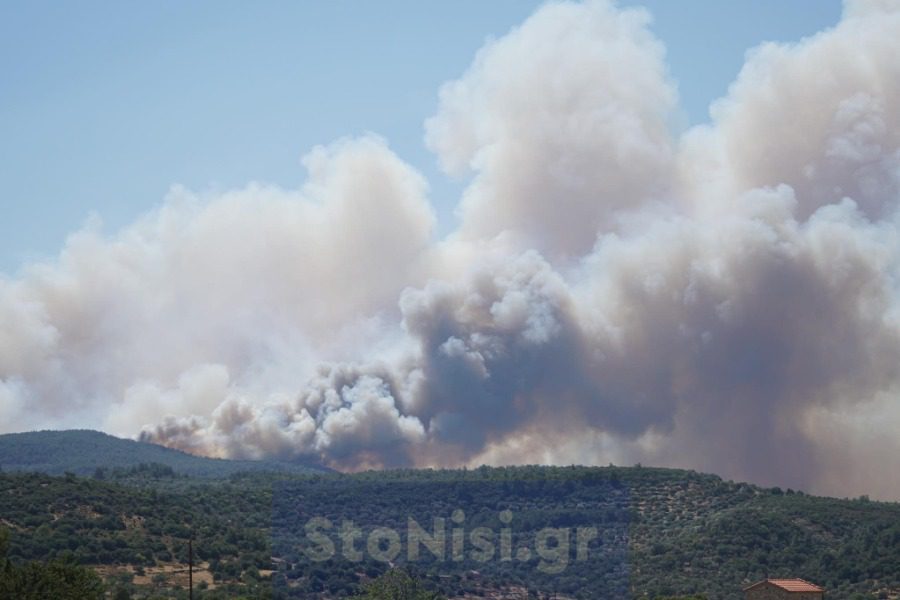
724,299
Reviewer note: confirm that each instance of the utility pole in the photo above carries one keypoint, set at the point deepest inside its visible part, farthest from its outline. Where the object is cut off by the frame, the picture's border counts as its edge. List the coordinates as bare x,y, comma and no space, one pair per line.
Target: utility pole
191,567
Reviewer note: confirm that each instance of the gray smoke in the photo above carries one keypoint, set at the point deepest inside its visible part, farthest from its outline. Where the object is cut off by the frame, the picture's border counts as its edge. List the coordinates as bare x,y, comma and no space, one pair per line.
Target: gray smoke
725,299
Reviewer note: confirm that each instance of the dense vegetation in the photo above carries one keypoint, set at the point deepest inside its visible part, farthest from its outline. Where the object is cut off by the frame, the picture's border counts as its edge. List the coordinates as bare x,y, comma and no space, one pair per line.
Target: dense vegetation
397,585
59,579
142,528
665,532
661,533
82,452
520,501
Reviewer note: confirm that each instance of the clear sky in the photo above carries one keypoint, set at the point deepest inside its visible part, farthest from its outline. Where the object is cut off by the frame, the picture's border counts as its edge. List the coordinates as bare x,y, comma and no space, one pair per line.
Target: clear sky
105,105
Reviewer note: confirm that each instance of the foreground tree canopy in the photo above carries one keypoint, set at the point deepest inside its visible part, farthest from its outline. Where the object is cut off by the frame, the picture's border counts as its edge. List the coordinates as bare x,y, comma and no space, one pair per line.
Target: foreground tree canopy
58,579
397,585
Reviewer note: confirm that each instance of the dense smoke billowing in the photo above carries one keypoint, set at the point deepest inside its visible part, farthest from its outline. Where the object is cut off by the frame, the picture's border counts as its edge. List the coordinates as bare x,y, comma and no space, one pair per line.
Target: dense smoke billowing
724,299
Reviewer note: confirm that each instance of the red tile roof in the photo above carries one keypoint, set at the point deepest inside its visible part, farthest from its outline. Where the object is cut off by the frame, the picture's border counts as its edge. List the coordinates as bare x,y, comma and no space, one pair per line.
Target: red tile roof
790,585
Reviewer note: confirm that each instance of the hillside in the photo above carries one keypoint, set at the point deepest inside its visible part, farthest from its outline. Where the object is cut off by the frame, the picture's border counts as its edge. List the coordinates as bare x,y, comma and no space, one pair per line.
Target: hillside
83,451
661,532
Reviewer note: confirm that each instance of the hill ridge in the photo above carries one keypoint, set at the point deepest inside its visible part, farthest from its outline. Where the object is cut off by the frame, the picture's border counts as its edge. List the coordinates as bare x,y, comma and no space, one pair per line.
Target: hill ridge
82,451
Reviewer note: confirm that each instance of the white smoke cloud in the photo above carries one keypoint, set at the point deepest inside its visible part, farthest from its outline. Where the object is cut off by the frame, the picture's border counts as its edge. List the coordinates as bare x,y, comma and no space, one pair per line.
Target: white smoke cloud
564,121
252,282
725,299
822,116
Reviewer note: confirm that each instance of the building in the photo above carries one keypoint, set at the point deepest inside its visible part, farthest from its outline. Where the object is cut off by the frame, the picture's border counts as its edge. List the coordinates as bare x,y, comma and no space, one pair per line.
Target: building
783,589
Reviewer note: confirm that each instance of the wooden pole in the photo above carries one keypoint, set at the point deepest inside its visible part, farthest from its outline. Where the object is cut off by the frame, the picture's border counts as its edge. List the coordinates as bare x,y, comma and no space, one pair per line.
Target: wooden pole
191,567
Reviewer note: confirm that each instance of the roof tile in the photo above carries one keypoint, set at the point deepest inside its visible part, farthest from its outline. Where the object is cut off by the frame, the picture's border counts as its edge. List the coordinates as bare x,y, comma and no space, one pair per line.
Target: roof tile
791,585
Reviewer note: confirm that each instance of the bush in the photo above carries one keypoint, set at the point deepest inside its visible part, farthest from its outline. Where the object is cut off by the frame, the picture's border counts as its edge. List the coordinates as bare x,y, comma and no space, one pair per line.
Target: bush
397,585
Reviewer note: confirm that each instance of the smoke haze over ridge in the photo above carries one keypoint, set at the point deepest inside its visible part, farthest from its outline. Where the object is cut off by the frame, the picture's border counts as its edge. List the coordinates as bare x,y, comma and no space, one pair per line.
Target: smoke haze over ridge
724,299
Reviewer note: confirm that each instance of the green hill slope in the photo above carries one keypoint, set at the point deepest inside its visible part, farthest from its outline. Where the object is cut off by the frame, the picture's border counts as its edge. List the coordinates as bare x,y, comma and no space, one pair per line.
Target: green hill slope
662,532
82,451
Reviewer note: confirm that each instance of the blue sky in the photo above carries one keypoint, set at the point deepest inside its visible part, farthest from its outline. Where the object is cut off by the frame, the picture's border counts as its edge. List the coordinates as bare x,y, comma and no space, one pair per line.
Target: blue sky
105,105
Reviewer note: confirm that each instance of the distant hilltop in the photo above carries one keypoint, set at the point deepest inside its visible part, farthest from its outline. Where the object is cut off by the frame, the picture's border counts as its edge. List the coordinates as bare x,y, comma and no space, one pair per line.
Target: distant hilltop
83,451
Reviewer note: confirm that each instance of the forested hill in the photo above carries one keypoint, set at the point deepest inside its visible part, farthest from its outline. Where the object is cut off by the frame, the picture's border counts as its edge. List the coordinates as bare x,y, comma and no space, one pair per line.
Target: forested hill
662,532
666,533
82,452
